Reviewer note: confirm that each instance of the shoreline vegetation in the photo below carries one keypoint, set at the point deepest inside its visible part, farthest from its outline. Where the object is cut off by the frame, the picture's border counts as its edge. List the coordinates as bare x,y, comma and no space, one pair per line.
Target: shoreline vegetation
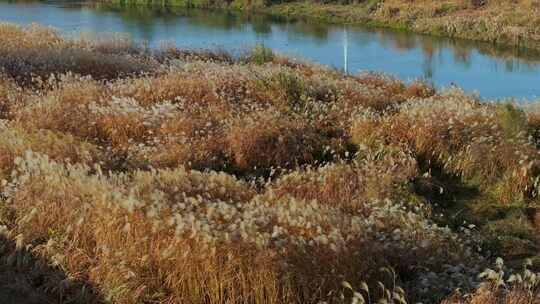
505,23
132,175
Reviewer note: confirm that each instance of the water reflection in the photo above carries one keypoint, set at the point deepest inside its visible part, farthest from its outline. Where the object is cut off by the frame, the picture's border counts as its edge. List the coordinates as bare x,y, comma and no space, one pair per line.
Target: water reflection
495,72
145,17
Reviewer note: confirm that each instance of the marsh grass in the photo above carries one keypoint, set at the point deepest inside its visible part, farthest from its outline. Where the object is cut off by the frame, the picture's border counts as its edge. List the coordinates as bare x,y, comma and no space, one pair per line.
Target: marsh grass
260,54
171,176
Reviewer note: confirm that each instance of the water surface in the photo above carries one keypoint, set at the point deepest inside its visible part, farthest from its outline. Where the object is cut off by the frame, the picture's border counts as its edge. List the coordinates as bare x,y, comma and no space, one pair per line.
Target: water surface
476,67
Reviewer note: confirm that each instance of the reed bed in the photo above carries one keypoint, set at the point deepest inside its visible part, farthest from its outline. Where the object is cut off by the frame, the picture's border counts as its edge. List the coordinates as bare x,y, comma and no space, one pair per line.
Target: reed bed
132,175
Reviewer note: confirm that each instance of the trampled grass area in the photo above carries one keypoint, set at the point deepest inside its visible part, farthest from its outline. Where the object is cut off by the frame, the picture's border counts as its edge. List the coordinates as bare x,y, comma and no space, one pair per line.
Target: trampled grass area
168,176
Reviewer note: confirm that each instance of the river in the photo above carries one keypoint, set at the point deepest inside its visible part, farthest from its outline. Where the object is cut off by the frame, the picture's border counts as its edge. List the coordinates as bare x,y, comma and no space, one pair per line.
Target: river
480,68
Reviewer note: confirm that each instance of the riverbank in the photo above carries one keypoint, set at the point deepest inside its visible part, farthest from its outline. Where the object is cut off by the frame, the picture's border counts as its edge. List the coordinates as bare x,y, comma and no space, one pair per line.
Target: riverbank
132,175
505,23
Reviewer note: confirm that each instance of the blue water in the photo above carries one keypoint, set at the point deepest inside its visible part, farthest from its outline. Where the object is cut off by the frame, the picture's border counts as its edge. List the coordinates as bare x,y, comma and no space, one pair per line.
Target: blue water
476,67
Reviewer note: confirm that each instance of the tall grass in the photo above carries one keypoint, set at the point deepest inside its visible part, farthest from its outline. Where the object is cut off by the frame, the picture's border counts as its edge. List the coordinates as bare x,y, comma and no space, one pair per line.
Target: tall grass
205,178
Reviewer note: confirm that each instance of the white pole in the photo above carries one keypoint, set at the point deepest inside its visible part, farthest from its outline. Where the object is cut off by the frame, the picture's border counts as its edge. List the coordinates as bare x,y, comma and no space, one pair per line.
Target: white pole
345,50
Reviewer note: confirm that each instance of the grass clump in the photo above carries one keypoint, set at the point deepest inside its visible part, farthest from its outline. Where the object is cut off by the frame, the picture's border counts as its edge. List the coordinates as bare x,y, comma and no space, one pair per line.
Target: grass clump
40,52
260,54
269,140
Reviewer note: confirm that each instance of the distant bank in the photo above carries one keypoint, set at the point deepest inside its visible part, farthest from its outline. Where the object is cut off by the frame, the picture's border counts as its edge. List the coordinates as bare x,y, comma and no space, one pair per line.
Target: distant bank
514,24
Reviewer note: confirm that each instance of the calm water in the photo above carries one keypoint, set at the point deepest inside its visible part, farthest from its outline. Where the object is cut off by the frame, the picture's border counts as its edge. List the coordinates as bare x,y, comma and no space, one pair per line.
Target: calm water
476,67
